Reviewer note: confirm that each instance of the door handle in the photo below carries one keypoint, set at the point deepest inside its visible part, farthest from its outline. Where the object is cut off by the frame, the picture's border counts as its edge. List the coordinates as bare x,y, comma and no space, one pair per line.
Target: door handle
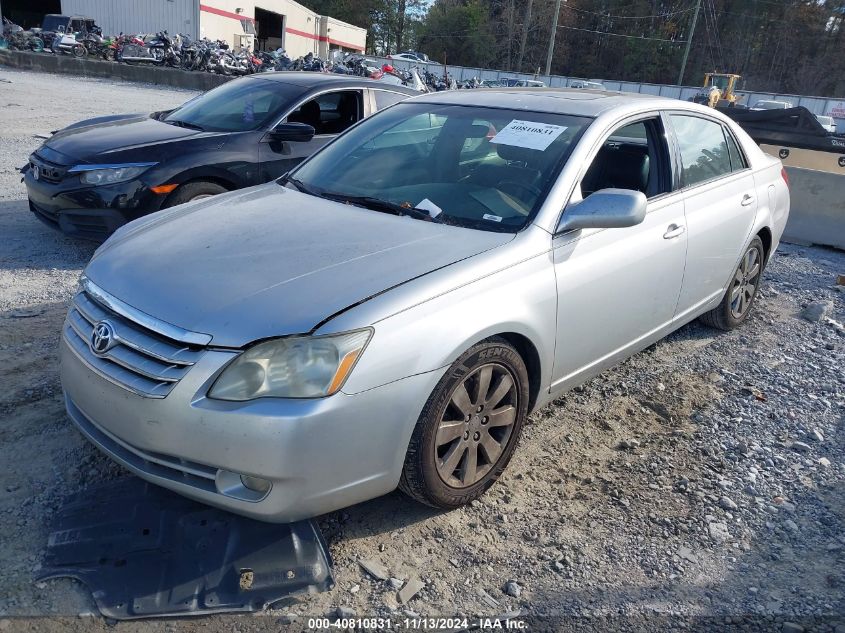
747,199
674,231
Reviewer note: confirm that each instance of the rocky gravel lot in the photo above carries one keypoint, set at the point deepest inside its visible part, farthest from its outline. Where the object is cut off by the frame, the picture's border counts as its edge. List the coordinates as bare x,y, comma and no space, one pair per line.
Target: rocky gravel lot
701,482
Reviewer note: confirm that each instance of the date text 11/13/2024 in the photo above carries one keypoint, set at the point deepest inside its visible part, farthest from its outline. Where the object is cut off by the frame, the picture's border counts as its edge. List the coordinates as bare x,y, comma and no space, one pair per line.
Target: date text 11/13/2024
417,624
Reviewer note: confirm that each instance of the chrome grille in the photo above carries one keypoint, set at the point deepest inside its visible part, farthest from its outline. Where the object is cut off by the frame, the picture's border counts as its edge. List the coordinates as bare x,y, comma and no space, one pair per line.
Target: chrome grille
139,360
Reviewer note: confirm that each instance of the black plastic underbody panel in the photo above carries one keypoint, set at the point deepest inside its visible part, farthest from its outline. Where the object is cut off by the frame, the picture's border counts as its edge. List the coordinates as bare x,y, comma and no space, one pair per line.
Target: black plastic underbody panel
144,551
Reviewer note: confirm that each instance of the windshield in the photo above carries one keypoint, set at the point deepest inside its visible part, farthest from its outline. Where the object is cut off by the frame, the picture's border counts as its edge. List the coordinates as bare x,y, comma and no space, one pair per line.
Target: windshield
53,22
483,168
236,106
720,82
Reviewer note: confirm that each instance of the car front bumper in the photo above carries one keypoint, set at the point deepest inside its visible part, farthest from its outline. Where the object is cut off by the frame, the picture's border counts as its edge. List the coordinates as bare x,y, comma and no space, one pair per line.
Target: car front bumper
89,212
318,454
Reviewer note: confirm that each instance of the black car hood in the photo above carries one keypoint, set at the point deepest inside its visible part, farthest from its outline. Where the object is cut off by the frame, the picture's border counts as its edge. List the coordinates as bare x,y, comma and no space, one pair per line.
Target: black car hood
102,140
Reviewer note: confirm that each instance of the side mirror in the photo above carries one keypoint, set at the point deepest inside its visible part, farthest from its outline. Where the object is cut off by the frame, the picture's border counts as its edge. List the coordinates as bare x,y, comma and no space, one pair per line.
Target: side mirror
293,132
605,209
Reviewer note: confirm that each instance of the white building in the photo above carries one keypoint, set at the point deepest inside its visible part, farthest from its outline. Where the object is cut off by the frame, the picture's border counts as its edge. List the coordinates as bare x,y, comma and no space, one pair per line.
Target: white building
263,24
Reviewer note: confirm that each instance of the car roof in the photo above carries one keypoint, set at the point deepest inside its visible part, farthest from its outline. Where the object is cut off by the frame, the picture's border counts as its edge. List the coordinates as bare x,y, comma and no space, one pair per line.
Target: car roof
574,101
312,80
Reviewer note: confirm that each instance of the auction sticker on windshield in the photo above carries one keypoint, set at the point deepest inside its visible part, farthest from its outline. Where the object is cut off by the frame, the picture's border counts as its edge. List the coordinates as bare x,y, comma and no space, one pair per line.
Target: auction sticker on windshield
528,134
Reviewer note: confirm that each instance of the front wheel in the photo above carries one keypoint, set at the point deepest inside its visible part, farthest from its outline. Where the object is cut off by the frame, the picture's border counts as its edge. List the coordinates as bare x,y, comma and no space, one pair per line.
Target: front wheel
193,191
79,51
469,428
739,297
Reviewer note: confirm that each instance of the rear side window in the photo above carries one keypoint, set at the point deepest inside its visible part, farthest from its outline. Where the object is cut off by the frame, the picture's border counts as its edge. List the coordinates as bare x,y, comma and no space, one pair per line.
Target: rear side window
386,98
704,150
737,159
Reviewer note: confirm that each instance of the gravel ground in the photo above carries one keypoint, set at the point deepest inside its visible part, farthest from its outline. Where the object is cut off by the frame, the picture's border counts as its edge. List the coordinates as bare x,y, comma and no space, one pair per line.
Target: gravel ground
703,478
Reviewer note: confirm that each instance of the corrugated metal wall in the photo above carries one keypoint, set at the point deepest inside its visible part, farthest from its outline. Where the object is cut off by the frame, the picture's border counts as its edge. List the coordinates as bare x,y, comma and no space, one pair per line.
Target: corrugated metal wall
139,16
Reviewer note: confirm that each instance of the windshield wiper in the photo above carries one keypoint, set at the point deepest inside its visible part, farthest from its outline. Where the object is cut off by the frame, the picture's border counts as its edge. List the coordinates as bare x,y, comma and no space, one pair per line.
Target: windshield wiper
301,186
185,124
377,204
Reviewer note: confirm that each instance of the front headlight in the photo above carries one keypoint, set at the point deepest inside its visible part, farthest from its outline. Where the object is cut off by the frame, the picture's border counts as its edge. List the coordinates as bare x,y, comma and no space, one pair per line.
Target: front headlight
294,367
108,174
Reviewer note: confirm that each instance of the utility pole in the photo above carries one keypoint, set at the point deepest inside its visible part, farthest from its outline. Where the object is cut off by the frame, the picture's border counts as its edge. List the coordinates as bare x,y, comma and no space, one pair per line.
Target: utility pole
552,39
526,23
689,43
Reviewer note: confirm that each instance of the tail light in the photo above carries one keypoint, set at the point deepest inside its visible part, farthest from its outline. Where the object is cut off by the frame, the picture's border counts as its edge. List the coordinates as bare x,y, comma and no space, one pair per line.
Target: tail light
784,175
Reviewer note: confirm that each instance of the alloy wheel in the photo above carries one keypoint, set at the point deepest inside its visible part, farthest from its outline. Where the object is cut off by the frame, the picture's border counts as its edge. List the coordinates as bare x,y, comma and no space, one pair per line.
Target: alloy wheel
476,425
745,283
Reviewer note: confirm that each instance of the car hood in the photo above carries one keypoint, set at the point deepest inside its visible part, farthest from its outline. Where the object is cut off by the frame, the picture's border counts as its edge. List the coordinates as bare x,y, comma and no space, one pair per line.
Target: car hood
99,140
269,261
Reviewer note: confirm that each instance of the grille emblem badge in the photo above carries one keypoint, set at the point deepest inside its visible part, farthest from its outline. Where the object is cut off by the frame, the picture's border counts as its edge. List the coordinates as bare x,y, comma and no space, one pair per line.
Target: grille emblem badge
102,338
36,172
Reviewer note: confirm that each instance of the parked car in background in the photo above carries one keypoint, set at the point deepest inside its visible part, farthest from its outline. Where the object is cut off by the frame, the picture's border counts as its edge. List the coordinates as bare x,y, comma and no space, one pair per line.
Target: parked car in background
392,310
412,56
771,105
512,82
586,85
94,176
827,122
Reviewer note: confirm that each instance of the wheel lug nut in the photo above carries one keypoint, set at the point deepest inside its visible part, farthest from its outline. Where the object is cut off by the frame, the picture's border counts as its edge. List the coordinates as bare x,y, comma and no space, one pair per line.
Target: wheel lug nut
476,436
466,435
484,420
478,410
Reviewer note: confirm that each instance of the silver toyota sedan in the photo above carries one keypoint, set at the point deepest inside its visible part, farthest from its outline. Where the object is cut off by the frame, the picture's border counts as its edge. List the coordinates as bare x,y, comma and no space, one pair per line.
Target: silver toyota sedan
390,312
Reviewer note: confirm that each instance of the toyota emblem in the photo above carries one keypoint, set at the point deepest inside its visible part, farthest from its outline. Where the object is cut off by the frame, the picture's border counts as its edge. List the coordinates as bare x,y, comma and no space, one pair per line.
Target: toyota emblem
102,338
36,172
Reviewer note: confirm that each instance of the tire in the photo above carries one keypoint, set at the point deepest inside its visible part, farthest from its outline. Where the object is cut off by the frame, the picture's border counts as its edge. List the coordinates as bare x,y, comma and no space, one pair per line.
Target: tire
736,305
193,191
79,51
36,44
109,55
444,439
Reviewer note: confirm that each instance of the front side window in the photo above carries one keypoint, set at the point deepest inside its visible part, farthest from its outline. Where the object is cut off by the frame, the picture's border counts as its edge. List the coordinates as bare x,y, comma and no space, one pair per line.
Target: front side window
704,151
481,168
236,106
633,157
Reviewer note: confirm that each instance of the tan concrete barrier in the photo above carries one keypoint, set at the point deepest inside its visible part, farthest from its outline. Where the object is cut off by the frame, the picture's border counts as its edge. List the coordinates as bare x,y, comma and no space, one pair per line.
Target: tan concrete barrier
817,192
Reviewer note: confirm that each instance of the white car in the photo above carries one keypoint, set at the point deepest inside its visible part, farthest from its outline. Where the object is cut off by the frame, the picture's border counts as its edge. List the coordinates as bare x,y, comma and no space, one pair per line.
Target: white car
587,85
414,58
772,105
827,123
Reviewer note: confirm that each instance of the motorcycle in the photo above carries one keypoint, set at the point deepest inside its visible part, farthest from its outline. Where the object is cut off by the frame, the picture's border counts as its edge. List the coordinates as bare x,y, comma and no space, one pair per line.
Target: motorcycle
67,44
98,46
16,38
161,50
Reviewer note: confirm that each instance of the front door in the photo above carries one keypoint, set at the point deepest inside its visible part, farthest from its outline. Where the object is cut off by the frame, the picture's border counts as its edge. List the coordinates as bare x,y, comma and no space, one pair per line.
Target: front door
720,206
618,288
329,114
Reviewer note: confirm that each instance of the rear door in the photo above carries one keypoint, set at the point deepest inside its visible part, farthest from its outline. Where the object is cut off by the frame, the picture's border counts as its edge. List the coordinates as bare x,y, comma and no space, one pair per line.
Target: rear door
720,202
330,113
